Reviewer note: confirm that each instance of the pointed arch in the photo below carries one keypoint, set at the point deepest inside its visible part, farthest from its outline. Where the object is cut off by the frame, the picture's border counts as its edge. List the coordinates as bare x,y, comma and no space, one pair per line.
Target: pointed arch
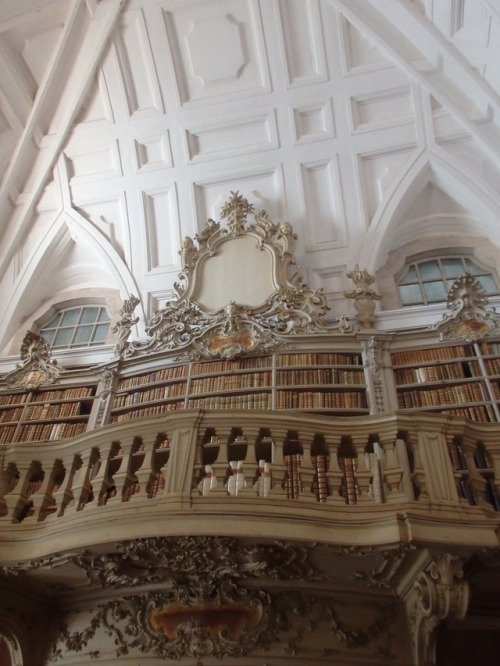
435,167
103,267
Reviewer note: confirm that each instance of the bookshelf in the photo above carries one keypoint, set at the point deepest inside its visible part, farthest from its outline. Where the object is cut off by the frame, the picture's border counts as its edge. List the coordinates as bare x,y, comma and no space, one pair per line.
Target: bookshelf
318,381
44,415
461,379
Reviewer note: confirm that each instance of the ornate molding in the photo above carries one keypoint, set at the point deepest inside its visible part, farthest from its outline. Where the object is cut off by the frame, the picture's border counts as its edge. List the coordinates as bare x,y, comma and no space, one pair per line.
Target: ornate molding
238,321
37,367
440,592
470,319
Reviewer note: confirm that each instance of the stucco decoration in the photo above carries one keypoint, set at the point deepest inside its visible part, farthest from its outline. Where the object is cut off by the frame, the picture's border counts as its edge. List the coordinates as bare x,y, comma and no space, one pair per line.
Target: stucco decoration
239,292
37,367
123,326
470,319
439,593
364,296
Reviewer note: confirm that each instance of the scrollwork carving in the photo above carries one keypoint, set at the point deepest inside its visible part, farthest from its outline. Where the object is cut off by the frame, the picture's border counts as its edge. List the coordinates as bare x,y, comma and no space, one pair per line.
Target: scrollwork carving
197,331
37,367
470,319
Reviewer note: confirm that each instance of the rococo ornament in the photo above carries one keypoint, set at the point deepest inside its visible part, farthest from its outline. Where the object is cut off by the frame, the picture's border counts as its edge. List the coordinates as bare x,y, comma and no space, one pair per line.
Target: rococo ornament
470,319
37,367
219,312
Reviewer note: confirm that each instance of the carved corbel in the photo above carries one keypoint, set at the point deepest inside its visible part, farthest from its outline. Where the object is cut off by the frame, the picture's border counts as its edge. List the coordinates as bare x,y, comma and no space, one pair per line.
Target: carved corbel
439,593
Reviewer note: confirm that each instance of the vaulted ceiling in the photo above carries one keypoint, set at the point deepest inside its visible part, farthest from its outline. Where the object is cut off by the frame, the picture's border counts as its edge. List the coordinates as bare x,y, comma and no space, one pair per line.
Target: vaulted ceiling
370,125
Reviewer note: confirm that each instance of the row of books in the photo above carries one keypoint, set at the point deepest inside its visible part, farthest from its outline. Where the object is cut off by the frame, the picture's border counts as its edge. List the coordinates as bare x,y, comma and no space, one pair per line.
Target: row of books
449,395
245,401
13,398
172,372
318,358
492,366
438,372
49,431
491,494
153,410
209,367
13,414
429,355
490,347
63,394
7,434
51,410
482,413
320,400
320,376
231,382
150,395
496,389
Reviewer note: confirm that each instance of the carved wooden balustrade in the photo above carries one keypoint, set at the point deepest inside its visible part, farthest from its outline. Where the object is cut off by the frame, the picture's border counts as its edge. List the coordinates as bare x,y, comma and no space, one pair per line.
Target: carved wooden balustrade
367,480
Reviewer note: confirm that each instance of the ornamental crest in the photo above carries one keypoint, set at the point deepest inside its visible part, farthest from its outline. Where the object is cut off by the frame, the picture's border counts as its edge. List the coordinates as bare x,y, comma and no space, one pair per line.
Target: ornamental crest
240,292
470,319
36,368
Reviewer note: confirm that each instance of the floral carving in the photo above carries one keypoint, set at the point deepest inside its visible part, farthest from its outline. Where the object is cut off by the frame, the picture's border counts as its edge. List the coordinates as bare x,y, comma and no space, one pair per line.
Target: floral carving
124,325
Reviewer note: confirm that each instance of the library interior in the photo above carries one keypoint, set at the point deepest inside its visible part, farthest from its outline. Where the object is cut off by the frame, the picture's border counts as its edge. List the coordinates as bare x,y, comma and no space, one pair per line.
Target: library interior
250,275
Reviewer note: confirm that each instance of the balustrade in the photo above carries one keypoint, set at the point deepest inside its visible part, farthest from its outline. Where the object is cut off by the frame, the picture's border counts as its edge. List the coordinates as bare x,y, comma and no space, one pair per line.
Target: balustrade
397,463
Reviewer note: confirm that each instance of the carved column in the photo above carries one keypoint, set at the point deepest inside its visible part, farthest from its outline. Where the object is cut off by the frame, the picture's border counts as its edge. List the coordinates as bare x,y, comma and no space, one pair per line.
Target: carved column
439,592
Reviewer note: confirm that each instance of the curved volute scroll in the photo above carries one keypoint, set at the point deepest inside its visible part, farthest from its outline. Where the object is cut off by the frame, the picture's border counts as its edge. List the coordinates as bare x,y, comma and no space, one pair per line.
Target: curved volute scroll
36,367
440,592
239,292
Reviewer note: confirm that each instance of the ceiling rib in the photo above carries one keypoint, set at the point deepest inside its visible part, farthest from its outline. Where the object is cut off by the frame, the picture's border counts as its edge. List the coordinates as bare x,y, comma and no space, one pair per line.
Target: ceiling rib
74,80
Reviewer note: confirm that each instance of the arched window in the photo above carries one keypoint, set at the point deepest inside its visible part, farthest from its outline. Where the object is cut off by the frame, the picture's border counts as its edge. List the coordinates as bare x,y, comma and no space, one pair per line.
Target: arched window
82,326
429,280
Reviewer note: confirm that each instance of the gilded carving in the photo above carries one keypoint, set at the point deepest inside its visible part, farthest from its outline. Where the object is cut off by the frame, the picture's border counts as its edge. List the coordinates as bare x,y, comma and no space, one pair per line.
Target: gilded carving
470,319
37,367
290,308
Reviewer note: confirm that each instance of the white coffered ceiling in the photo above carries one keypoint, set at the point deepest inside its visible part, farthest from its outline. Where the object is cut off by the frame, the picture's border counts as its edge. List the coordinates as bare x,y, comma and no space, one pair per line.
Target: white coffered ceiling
370,125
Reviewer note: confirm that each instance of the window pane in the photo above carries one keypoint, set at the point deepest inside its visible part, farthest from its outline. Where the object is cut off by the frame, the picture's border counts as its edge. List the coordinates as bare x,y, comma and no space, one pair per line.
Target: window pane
488,283
63,337
473,268
429,270
83,335
410,277
410,294
453,267
104,316
70,317
55,322
434,291
89,315
48,335
101,331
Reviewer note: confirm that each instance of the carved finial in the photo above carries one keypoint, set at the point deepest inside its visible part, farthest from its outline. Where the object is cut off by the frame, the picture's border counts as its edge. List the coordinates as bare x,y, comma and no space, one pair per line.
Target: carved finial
37,367
236,210
364,296
469,320
125,323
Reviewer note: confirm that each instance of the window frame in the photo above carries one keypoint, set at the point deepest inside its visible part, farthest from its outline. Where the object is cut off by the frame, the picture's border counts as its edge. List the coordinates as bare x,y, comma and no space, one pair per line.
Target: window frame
59,312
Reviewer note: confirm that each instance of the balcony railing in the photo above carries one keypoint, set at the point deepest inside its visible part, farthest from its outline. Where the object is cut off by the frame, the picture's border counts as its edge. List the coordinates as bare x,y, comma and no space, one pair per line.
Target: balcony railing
365,480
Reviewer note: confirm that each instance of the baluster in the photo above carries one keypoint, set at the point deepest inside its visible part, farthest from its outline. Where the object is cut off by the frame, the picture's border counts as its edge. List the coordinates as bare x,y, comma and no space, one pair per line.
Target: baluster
10,480
28,496
104,485
363,472
65,495
491,443
476,479
392,470
278,467
307,474
147,477
121,475
418,477
335,476
84,488
55,481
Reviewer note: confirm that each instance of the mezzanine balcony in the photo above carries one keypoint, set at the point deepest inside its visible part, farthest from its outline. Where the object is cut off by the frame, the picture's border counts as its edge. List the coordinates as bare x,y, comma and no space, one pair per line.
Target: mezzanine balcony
363,481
